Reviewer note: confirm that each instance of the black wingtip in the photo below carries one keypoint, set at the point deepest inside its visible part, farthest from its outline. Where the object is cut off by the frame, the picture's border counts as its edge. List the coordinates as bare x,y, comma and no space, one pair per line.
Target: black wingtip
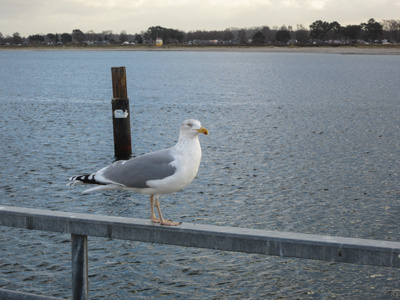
87,178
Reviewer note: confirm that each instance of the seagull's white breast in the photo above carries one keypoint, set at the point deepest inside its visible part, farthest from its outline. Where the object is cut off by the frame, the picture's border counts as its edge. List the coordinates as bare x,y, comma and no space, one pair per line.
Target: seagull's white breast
187,155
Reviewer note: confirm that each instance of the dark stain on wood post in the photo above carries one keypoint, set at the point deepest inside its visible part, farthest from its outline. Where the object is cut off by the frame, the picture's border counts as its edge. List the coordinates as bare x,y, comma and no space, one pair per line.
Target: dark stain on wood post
121,115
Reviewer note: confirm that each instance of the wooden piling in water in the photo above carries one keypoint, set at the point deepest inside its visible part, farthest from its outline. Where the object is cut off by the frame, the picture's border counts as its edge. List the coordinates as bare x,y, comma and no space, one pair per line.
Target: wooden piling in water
121,114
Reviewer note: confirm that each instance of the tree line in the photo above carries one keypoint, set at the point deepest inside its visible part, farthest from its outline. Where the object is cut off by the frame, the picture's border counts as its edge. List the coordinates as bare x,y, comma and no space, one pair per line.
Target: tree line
318,32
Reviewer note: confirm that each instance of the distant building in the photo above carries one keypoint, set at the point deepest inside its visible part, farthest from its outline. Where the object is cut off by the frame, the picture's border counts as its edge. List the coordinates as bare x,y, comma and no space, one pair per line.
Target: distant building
159,42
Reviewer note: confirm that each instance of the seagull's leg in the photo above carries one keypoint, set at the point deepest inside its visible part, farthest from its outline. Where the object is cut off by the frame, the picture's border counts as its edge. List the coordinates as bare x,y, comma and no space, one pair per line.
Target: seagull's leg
162,221
152,215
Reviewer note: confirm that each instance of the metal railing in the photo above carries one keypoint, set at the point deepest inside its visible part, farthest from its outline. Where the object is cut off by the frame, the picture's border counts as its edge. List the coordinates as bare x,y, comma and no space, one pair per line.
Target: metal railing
284,244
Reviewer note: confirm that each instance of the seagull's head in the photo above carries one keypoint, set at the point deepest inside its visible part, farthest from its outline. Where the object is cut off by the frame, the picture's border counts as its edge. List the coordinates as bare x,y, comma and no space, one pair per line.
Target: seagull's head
192,127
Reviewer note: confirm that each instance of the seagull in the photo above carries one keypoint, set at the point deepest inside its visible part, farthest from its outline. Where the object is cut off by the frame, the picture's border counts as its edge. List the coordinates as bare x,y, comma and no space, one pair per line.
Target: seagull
156,173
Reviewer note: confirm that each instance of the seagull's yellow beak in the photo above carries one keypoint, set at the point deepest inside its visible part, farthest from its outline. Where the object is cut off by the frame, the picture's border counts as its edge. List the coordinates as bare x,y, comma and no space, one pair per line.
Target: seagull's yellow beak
202,130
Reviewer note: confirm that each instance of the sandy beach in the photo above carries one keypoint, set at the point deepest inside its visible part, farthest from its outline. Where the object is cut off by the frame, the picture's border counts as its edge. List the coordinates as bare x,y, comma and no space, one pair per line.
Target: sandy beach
328,50
367,50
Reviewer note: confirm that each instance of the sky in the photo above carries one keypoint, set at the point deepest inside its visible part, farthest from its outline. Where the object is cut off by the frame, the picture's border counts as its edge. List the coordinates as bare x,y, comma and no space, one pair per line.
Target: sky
30,17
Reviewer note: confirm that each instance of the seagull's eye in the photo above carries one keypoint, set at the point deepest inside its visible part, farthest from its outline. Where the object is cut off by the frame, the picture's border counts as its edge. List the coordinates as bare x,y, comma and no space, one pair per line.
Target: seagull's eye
190,125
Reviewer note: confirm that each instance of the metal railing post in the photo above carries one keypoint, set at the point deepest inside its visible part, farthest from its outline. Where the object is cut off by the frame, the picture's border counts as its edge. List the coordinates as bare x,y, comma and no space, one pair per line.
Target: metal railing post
80,283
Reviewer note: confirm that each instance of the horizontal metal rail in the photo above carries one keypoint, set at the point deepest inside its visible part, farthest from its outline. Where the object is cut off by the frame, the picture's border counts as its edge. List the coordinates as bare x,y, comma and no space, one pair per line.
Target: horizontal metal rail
284,244
12,295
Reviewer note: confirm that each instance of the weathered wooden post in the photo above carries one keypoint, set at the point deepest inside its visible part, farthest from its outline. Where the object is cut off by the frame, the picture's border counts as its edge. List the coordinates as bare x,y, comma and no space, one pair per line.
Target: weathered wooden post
121,115
80,282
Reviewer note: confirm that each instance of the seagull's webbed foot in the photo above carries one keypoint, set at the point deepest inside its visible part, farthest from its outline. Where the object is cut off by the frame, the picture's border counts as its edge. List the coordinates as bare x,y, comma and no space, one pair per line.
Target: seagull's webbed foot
169,223
164,221
155,220
160,220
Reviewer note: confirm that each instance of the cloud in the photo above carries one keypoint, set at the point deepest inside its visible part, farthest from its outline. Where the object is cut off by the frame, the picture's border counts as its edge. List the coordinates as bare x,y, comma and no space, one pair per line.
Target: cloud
43,16
316,4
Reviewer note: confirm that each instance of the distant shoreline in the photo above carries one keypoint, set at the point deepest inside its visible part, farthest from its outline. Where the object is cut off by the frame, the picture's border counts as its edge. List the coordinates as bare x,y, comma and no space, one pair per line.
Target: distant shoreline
369,50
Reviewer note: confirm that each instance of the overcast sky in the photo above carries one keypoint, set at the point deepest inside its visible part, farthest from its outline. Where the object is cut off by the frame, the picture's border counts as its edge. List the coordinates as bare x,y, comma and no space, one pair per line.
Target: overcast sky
58,16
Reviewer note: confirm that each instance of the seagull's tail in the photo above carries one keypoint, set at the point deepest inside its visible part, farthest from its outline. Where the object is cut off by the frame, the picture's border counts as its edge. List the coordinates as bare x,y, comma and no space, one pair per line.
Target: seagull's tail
103,187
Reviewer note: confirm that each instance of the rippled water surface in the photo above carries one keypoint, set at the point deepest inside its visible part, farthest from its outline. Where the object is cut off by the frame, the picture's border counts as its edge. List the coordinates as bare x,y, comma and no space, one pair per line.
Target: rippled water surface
298,142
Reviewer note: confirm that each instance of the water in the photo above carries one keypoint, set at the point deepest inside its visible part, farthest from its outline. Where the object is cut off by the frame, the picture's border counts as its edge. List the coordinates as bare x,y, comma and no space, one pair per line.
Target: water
298,142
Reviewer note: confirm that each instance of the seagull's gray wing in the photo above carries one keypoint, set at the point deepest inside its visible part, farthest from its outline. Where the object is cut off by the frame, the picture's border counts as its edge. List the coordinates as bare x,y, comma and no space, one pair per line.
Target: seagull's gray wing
135,173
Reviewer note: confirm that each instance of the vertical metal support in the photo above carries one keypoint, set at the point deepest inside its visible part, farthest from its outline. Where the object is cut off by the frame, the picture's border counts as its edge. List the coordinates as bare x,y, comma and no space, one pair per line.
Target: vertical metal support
121,115
80,283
